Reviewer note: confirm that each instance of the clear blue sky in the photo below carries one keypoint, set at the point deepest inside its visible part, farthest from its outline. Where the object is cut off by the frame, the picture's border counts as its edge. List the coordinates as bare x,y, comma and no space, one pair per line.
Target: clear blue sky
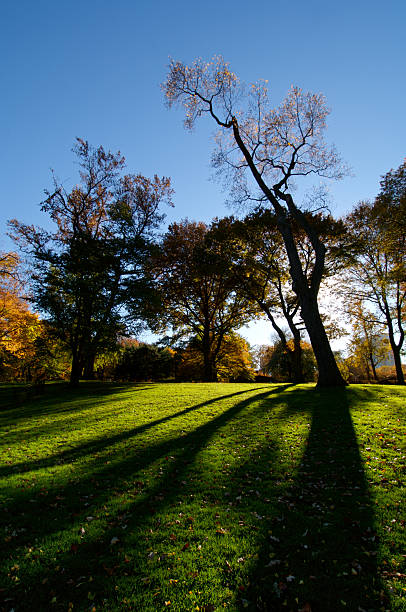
93,69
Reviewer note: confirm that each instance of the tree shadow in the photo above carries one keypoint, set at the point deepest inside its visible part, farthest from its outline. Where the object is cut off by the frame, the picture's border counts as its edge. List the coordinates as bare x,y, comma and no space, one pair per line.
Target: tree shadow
321,551
99,444
63,507
312,529
19,401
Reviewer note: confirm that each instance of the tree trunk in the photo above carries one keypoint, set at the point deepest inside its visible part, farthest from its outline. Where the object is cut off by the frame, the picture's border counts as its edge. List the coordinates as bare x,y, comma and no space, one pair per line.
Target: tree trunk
295,356
367,372
297,365
400,378
209,369
88,370
329,374
76,370
375,375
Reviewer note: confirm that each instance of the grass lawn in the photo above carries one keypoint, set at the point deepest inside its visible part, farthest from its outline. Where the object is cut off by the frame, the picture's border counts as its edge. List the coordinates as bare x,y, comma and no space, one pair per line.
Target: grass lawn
202,497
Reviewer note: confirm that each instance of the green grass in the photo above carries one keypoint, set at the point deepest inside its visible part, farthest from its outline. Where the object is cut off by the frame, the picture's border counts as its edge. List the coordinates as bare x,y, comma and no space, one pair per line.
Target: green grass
202,497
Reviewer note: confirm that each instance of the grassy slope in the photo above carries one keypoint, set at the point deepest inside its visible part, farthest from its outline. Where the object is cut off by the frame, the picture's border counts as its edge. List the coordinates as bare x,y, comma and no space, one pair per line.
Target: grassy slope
203,497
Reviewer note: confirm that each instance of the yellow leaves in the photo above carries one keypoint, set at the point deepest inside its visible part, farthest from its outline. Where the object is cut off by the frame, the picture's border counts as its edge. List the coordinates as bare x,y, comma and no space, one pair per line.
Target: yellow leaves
19,327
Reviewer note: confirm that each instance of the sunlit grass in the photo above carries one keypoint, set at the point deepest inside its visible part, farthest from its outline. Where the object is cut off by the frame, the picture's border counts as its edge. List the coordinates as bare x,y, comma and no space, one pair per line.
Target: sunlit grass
203,496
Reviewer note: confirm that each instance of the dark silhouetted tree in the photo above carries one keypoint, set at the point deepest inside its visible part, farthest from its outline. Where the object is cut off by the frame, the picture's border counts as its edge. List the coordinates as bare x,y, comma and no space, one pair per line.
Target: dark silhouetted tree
91,266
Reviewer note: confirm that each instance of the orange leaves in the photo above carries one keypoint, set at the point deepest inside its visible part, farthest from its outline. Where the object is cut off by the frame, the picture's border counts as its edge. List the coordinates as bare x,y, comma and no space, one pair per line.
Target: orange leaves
19,327
221,531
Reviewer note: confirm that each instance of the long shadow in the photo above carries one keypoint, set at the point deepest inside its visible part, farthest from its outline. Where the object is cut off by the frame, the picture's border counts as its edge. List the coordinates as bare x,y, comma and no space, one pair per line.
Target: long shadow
322,548
164,493
97,445
20,401
184,448
321,555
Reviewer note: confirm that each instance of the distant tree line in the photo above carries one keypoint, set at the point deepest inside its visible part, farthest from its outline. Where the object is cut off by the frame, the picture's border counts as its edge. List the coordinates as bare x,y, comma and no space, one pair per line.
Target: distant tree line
75,298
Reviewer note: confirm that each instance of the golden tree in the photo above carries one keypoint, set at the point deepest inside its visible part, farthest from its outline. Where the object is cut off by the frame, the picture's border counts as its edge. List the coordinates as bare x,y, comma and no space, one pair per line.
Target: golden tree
19,327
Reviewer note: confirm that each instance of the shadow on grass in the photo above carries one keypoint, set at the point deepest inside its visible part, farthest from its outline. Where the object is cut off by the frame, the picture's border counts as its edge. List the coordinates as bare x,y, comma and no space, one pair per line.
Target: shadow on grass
320,516
321,552
26,401
61,509
98,445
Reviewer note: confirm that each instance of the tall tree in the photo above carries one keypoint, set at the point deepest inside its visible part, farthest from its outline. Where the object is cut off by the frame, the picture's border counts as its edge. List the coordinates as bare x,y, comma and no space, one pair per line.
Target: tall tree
377,262
198,300
92,265
270,148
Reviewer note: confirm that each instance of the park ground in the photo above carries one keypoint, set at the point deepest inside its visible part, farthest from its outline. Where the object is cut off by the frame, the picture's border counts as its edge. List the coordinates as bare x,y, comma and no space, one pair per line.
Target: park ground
202,497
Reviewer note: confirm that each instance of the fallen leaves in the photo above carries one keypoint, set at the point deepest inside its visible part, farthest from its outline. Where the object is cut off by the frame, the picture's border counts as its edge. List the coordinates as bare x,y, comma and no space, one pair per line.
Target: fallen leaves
221,531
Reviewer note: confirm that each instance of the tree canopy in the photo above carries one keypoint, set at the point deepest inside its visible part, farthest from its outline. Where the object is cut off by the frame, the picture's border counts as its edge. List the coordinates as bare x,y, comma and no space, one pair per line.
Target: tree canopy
198,300
376,255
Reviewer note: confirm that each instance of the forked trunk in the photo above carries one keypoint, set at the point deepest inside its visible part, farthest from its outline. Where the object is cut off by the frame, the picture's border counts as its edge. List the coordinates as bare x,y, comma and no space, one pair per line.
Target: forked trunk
294,356
400,378
374,372
367,371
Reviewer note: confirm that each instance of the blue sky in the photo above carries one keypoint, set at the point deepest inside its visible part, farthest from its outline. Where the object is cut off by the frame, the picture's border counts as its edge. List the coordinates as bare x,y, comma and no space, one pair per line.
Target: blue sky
93,69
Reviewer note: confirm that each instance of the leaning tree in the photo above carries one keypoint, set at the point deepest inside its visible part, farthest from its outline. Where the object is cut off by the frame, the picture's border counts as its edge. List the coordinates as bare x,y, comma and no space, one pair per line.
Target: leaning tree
262,150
